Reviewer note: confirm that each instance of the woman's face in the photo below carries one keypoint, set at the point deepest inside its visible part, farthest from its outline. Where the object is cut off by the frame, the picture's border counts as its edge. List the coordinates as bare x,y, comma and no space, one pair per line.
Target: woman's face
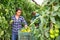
18,12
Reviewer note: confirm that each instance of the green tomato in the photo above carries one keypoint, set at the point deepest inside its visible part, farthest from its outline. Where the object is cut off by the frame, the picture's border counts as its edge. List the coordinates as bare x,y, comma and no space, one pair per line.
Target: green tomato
52,36
57,30
56,34
51,31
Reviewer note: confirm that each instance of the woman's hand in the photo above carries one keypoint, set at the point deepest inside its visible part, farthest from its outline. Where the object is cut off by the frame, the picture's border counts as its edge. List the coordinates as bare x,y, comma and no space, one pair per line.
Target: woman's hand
26,26
11,21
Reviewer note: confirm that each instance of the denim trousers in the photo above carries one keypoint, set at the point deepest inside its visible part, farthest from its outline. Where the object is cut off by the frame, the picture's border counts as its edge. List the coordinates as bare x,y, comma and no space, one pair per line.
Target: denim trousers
14,36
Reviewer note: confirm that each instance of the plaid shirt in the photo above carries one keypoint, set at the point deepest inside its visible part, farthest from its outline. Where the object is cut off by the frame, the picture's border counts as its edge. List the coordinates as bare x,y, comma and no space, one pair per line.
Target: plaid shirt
17,24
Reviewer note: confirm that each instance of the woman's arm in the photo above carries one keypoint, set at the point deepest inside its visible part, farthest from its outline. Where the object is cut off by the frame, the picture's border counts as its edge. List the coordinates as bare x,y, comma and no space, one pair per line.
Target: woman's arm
24,22
11,21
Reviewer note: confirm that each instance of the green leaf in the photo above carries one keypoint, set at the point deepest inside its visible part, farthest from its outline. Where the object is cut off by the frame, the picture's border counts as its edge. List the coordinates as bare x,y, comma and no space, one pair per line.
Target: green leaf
53,19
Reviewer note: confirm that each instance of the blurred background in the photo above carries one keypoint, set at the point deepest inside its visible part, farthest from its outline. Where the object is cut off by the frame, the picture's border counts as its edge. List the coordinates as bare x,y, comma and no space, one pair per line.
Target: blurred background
49,11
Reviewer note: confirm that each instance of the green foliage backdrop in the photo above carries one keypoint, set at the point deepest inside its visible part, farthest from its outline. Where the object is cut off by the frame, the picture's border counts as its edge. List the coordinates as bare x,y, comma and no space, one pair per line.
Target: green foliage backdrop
49,11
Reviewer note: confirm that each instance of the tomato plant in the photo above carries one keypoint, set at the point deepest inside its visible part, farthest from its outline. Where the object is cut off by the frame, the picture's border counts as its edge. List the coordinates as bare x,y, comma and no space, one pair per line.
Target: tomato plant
49,28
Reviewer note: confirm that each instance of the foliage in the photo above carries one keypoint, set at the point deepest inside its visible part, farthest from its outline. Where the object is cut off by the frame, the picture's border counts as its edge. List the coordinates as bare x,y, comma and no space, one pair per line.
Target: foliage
49,16
49,26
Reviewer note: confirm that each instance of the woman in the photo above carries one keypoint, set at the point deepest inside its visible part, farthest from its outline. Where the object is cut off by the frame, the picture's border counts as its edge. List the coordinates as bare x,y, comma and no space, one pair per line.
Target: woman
34,16
17,23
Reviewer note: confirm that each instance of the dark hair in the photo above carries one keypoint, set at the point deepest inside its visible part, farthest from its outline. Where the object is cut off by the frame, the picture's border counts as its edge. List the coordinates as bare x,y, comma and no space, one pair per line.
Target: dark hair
33,12
18,9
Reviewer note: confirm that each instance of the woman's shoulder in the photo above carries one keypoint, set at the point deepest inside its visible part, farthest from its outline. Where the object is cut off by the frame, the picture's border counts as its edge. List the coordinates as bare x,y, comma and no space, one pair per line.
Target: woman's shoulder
13,16
21,17
37,14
